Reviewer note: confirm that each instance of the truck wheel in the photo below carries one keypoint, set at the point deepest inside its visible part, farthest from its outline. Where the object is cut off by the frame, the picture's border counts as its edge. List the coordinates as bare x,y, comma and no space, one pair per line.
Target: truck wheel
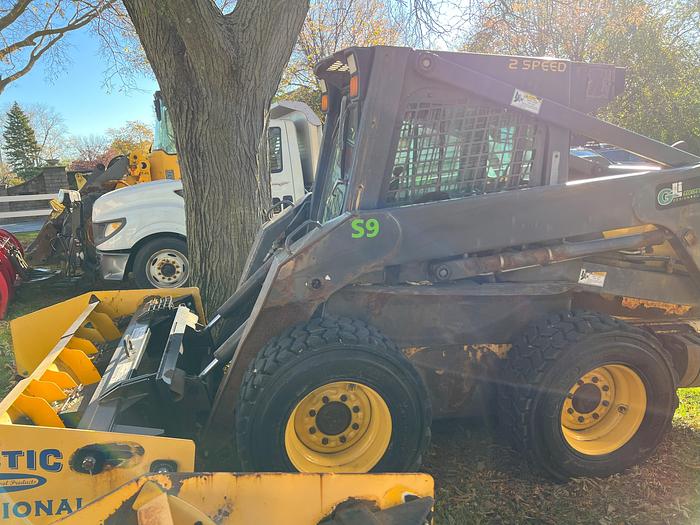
162,263
585,394
333,395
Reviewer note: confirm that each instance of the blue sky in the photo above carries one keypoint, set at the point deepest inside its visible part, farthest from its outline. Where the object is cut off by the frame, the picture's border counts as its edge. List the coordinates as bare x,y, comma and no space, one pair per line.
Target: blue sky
79,93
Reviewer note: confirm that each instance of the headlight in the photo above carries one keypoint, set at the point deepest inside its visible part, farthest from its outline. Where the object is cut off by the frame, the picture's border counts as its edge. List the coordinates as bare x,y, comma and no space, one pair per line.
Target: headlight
101,231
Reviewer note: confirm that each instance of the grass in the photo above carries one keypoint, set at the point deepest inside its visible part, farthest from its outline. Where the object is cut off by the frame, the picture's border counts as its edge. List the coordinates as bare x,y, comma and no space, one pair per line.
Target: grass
479,480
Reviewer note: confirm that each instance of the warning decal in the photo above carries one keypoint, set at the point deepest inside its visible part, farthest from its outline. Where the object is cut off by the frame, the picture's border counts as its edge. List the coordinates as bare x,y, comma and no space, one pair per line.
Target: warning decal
592,278
526,101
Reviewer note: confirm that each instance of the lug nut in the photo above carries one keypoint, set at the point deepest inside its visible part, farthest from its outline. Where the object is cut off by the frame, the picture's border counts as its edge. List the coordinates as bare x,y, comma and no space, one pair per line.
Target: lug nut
606,388
355,426
594,379
595,416
606,403
325,399
622,409
324,441
356,409
312,430
581,419
312,413
580,382
570,410
343,439
343,398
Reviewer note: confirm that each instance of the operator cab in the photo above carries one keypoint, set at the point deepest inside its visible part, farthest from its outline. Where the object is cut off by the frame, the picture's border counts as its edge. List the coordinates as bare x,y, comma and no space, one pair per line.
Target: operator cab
425,138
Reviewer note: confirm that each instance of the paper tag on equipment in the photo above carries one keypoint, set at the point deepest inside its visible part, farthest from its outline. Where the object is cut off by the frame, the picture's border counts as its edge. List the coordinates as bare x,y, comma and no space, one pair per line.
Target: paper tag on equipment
592,278
526,101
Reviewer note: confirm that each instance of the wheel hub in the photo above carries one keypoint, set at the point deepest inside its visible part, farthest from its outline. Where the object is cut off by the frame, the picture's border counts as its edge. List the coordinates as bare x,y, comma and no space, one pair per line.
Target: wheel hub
167,268
603,410
333,418
586,399
589,400
338,427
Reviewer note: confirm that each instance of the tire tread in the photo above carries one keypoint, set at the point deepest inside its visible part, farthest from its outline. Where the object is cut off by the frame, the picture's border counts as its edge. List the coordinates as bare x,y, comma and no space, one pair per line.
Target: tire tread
542,343
313,336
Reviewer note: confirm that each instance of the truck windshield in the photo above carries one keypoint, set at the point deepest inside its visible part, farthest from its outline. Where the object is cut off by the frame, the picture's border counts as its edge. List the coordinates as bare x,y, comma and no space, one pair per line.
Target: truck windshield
163,136
334,183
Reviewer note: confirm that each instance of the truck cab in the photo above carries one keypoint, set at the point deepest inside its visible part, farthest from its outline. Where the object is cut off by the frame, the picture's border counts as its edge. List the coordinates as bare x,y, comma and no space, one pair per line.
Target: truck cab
140,230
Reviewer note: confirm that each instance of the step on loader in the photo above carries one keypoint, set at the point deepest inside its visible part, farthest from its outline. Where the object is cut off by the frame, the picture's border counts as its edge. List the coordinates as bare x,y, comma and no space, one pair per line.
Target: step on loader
452,255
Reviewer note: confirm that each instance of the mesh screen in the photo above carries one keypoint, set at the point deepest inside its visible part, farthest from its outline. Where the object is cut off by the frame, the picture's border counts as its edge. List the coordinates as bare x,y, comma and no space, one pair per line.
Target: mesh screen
455,150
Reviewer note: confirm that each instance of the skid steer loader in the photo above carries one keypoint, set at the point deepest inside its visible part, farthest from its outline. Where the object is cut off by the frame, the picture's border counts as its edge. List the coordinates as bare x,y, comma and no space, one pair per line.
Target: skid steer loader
451,255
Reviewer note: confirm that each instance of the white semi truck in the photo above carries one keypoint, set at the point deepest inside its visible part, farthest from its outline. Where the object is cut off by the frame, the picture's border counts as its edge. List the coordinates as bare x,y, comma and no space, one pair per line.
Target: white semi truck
139,231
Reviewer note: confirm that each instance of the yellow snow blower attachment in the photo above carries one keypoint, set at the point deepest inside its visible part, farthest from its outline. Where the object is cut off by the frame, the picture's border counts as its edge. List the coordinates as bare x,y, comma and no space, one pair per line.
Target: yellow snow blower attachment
58,446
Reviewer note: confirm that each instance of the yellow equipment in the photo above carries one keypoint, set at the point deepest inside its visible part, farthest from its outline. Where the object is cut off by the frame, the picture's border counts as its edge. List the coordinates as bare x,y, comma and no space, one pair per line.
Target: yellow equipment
147,166
65,230
158,161
289,499
49,470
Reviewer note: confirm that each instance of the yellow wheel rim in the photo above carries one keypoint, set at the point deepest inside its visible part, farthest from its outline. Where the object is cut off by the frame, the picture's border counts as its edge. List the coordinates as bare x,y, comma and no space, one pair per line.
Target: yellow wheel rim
339,427
603,410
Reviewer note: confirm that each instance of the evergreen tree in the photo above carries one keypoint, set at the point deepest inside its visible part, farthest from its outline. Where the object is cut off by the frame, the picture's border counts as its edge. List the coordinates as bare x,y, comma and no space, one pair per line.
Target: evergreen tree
21,145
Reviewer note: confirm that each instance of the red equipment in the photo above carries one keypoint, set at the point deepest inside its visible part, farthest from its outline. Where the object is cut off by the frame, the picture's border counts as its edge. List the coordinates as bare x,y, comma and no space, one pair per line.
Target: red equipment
13,267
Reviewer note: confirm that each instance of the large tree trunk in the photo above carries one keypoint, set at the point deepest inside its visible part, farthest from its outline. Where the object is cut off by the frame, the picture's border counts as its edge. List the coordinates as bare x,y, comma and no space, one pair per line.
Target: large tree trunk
217,74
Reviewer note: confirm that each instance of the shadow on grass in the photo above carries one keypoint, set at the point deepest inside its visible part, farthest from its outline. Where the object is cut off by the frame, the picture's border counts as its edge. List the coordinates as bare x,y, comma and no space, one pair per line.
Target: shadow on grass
479,479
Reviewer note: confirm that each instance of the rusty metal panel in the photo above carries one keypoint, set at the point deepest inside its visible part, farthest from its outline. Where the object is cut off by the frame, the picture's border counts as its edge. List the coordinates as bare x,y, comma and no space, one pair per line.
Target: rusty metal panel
460,378
456,313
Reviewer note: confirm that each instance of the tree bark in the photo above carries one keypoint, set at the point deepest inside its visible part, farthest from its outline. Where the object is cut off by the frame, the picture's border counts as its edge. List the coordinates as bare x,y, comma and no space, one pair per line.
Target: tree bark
217,74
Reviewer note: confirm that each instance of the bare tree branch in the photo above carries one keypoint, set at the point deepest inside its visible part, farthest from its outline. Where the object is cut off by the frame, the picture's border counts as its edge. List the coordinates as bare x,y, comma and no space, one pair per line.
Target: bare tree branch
34,56
31,31
14,13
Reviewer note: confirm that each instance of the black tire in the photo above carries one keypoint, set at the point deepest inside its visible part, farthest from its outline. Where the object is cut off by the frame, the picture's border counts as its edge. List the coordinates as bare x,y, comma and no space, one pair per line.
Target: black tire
140,265
323,351
548,360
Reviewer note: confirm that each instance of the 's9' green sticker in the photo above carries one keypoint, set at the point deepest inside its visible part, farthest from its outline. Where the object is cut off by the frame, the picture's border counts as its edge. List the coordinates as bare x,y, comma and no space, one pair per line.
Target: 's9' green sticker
365,228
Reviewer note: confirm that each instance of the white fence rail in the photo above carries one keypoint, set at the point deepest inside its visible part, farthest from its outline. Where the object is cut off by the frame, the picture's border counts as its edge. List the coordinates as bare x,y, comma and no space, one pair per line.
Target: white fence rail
41,210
